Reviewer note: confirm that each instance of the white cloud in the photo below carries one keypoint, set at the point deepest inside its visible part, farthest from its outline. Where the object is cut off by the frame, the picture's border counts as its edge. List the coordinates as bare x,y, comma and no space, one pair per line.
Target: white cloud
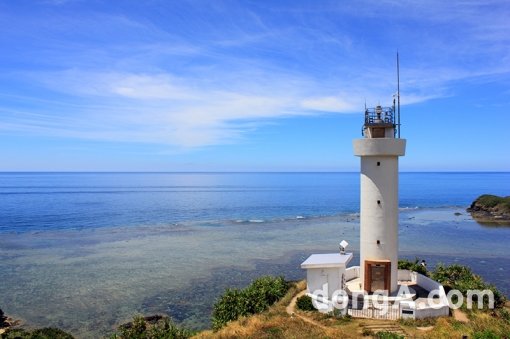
183,112
201,85
330,104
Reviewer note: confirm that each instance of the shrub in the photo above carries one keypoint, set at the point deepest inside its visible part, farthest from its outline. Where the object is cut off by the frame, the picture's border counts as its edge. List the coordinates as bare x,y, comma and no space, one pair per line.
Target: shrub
367,332
388,335
230,306
40,333
404,264
257,297
162,328
304,303
263,292
461,278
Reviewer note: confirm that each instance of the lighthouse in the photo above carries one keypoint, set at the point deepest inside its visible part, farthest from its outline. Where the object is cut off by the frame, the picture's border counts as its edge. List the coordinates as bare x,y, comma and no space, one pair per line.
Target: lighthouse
356,290
379,150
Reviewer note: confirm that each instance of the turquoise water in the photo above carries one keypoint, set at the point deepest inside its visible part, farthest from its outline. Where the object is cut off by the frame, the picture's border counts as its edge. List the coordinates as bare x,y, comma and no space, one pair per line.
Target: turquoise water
87,251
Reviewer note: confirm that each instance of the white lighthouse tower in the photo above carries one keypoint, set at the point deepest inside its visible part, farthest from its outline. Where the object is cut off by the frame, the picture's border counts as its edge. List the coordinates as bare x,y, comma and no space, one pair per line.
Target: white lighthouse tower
379,151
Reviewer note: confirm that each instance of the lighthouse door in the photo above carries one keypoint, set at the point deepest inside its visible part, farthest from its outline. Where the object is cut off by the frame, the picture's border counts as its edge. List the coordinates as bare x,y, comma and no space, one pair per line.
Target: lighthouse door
377,275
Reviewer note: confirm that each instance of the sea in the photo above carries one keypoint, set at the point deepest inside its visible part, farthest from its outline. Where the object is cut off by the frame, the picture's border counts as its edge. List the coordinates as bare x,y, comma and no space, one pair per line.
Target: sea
88,251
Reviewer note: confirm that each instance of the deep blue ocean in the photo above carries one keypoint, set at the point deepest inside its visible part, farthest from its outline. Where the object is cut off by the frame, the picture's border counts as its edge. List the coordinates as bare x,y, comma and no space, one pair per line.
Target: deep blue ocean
87,251
50,201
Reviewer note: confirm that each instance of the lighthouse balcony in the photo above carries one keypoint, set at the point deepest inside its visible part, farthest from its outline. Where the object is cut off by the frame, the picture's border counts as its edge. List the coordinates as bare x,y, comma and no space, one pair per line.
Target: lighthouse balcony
379,116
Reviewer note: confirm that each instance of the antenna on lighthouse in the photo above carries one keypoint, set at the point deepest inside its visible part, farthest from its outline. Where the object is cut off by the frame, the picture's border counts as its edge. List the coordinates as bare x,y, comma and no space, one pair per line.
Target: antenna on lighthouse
398,95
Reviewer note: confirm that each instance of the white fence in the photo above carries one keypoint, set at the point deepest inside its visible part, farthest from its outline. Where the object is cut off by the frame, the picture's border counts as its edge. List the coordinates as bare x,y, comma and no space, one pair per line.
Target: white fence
386,312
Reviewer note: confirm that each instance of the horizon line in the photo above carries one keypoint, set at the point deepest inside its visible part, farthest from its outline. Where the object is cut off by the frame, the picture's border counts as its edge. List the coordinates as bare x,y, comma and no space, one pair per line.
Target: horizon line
234,172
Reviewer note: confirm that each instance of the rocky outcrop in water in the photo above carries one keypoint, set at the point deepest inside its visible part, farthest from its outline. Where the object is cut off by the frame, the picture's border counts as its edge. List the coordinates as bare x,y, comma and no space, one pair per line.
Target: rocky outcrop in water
491,209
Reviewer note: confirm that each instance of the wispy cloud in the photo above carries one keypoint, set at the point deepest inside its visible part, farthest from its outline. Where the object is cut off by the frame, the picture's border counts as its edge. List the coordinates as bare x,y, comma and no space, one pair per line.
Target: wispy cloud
201,79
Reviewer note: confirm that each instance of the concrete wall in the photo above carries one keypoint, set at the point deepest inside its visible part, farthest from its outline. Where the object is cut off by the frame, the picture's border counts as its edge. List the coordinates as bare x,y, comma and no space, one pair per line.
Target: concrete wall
317,277
429,284
379,147
422,313
352,272
405,275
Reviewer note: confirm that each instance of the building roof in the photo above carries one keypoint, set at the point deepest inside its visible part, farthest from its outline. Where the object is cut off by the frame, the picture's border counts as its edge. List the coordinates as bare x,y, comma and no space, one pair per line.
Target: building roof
327,260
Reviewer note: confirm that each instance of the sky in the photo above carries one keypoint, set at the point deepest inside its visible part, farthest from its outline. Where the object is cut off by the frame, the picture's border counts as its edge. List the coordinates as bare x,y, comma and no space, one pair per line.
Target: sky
250,85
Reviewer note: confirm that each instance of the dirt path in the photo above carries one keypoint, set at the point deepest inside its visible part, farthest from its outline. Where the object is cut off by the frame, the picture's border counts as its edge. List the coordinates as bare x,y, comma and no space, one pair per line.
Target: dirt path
460,316
372,326
291,311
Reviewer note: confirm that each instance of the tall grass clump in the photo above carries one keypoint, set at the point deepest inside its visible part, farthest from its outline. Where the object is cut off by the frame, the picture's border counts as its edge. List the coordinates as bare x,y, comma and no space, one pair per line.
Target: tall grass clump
257,297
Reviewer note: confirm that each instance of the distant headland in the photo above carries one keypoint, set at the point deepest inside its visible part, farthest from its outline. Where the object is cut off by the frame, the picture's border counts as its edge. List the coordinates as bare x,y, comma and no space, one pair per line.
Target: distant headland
491,209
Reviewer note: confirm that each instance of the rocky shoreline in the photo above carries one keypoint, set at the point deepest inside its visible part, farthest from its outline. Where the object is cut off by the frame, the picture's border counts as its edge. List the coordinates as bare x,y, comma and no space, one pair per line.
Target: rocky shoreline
6,322
491,209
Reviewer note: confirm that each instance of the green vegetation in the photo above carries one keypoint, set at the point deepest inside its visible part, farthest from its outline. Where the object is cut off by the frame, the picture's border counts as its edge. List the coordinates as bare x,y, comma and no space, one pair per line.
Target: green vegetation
491,201
304,303
388,335
485,334
257,297
461,278
404,264
40,333
504,314
162,328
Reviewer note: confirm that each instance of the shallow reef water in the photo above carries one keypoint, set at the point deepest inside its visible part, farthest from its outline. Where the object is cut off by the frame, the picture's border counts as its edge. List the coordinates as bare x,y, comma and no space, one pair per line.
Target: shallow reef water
89,281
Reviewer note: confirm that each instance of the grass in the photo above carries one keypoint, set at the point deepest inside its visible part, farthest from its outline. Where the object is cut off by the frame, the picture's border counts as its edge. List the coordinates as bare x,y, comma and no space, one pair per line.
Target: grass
276,323
40,333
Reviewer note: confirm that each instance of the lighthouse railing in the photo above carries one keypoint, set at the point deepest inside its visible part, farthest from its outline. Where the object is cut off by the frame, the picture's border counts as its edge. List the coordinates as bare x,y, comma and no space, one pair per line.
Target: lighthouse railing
379,116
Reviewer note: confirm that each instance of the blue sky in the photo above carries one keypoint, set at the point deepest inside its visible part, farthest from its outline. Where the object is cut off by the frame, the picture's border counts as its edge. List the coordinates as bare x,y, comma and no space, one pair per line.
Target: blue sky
249,85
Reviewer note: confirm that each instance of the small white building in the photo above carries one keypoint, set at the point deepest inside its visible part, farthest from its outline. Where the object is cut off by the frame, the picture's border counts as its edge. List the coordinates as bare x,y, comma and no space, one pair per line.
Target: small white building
378,271
325,274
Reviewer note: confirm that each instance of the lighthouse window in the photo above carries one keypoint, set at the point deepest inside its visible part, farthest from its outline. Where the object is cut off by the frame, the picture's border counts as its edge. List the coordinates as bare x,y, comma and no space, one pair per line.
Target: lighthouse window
378,163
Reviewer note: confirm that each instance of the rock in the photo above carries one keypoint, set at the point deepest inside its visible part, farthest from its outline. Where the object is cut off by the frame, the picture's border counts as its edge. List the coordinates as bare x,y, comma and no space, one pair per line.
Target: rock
3,320
152,319
491,209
